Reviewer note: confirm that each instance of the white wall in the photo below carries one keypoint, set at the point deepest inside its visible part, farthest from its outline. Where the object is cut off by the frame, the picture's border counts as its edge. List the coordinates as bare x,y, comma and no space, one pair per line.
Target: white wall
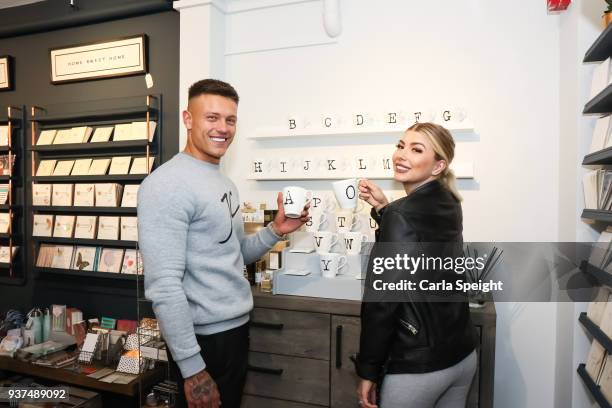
501,63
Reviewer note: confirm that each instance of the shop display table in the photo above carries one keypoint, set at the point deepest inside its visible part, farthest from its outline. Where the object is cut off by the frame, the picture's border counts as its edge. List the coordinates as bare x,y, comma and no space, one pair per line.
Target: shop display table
61,375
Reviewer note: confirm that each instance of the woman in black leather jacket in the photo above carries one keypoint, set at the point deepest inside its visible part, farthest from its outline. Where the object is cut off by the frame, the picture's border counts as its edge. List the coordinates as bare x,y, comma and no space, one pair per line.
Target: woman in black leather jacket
423,353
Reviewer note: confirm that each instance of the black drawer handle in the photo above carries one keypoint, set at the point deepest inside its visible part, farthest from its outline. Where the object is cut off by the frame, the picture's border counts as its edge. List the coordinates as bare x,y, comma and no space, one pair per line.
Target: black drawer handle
266,325
265,370
339,346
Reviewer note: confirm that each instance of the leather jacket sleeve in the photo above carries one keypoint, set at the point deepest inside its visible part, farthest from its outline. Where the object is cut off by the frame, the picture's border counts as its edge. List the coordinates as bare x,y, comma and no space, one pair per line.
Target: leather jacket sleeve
379,319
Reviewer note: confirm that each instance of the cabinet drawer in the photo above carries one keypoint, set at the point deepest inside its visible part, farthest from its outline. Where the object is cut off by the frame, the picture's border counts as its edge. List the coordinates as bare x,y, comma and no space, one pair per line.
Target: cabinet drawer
251,401
290,333
289,378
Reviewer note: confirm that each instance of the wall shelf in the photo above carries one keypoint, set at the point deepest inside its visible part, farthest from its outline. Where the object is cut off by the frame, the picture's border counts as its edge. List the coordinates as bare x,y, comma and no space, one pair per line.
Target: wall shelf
601,48
90,116
601,103
81,241
596,332
600,275
108,146
104,178
597,215
593,388
369,131
86,274
85,210
599,157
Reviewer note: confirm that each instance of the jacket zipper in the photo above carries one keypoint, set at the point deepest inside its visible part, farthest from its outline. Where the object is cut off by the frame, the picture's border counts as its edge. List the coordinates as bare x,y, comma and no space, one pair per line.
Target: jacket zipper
413,330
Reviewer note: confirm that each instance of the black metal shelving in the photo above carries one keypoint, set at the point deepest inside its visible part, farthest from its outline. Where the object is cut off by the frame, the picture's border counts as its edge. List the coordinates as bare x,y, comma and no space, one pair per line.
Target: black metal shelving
86,274
85,210
599,157
75,179
593,388
82,241
597,215
601,49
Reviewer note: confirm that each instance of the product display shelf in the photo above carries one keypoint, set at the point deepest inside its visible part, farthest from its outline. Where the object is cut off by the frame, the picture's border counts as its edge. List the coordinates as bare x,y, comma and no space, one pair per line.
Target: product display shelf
12,271
597,215
84,210
600,104
600,275
600,157
593,388
601,48
82,241
84,179
86,274
96,113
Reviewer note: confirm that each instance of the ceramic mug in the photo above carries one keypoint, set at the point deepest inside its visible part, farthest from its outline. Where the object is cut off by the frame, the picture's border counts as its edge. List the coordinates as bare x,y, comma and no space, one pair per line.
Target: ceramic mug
331,264
353,241
294,200
324,241
316,220
347,221
347,193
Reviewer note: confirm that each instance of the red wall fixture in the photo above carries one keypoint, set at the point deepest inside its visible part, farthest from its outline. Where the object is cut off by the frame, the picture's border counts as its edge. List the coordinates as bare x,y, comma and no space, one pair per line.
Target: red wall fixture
558,5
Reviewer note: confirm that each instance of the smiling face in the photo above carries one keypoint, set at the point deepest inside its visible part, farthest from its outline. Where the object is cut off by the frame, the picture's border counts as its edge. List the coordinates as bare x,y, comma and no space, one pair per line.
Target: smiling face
211,125
415,161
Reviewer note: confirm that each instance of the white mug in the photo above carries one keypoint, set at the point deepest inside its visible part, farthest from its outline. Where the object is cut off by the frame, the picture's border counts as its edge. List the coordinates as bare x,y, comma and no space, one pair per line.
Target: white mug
294,200
324,241
352,242
331,264
322,202
347,221
316,220
346,193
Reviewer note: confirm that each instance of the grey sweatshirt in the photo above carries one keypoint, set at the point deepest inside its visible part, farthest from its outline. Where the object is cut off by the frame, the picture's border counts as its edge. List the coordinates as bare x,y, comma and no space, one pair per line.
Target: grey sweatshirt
192,240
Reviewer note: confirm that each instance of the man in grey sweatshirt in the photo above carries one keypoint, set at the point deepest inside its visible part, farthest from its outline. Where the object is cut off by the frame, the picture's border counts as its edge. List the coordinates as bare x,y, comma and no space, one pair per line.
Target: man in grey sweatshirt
194,248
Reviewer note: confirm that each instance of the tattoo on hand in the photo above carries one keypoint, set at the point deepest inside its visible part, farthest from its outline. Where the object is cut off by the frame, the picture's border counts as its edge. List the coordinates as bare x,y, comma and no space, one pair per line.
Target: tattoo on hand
202,389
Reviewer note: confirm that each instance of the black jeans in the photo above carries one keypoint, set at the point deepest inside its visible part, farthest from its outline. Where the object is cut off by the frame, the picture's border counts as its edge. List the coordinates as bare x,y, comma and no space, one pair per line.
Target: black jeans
226,358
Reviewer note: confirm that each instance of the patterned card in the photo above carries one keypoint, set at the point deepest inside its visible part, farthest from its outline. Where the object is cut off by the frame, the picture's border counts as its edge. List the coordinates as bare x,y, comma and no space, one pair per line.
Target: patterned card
84,195
108,228
102,134
43,225
46,167
6,164
84,258
81,167
132,262
4,136
64,226
139,130
139,165
62,194
41,194
63,168
129,228
120,165
85,227
46,137
123,131
62,256
4,254
5,222
4,190
107,194
110,260
130,195
99,167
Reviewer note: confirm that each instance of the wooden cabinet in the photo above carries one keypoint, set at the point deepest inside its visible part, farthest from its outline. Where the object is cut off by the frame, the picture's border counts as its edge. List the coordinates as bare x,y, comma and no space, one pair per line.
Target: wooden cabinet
302,353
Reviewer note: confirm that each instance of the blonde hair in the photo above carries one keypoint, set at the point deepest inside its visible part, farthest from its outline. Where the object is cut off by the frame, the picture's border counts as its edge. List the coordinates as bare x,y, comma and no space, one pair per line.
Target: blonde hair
444,149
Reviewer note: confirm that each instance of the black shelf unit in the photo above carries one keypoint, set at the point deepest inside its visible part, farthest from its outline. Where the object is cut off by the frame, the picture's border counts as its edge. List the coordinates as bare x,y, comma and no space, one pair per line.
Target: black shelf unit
601,48
601,337
598,274
597,215
84,179
93,114
600,157
593,388
86,274
13,271
85,210
91,242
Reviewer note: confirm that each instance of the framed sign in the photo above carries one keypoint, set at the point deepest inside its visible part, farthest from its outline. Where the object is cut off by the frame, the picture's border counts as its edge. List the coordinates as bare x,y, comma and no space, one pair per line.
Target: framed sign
6,82
106,59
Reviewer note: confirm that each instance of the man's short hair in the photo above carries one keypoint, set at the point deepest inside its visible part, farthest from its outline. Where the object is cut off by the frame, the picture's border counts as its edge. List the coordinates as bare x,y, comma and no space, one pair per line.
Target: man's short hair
213,87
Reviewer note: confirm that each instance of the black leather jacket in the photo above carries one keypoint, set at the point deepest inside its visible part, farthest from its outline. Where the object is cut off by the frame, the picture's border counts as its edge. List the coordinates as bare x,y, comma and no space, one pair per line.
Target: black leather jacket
416,337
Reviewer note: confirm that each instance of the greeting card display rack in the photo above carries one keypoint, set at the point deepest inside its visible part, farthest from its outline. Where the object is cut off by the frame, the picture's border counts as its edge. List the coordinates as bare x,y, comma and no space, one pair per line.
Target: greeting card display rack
97,113
12,272
600,104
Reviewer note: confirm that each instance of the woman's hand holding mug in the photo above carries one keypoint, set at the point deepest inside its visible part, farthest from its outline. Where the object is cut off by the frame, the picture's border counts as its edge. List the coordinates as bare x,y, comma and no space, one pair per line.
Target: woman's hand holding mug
372,194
